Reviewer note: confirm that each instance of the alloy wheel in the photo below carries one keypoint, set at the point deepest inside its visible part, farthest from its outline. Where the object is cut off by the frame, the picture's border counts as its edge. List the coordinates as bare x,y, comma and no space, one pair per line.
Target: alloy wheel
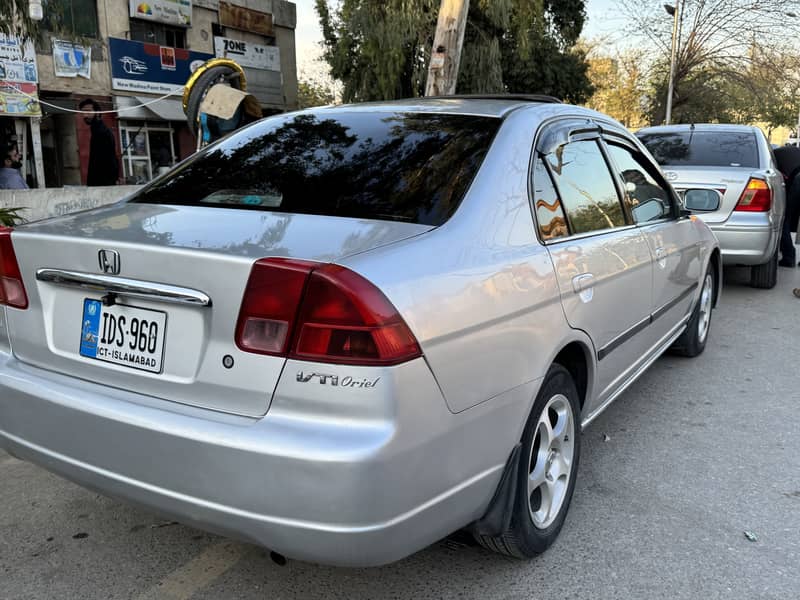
550,462
704,318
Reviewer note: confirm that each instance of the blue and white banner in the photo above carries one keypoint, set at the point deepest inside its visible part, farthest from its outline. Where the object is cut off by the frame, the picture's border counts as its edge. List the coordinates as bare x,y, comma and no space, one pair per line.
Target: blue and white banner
17,60
150,68
71,59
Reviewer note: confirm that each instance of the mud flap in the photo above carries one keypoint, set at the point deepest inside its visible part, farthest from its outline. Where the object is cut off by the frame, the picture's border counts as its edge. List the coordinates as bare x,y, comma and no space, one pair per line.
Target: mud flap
497,517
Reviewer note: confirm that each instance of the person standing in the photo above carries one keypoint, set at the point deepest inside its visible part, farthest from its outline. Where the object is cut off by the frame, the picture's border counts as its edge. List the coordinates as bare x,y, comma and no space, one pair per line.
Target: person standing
103,164
10,177
788,159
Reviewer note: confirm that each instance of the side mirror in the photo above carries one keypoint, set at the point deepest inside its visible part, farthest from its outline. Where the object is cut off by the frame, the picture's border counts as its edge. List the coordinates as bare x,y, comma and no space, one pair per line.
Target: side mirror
697,200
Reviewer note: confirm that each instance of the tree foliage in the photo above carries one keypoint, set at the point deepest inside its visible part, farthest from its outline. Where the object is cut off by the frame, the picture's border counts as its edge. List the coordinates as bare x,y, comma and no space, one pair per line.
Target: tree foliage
619,83
715,51
381,50
312,93
10,216
14,19
763,88
771,83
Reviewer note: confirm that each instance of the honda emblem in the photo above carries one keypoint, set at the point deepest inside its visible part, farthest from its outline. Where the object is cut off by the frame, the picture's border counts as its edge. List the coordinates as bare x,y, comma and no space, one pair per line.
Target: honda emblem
109,261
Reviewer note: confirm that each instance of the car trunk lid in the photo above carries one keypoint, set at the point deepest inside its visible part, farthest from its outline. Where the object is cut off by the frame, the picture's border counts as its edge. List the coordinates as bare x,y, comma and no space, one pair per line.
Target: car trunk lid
176,276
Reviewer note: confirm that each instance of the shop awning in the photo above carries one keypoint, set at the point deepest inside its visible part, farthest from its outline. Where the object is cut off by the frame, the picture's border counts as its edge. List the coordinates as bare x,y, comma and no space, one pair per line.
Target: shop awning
167,109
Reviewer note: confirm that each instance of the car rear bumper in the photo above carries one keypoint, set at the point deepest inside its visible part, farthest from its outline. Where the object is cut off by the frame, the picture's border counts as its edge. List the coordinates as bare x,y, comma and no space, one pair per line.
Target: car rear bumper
746,244
343,491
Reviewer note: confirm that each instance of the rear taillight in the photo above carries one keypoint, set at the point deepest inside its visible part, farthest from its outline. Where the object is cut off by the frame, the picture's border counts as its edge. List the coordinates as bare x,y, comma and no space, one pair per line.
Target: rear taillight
270,303
756,197
323,313
12,290
344,318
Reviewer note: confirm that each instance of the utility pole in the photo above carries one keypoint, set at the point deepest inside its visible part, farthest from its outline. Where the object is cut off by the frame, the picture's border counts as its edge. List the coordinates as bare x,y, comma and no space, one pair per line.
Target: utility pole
676,14
447,43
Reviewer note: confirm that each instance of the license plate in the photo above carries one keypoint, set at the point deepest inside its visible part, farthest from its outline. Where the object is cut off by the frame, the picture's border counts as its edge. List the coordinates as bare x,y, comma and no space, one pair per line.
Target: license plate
123,335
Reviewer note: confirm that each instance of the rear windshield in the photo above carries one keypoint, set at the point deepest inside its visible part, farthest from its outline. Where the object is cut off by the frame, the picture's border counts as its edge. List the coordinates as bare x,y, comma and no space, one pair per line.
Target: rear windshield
703,148
373,165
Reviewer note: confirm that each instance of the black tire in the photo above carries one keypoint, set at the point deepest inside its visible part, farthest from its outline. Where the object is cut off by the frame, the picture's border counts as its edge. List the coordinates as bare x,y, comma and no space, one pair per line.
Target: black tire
765,276
200,89
523,538
692,341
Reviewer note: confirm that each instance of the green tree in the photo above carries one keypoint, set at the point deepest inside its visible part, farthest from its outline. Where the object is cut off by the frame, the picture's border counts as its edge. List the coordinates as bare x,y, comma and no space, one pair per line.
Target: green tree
714,52
381,50
705,95
772,84
313,93
762,87
619,85
14,19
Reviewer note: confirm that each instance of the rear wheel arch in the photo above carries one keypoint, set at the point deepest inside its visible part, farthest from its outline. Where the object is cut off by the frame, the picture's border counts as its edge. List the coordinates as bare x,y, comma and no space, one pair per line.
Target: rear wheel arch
716,265
575,357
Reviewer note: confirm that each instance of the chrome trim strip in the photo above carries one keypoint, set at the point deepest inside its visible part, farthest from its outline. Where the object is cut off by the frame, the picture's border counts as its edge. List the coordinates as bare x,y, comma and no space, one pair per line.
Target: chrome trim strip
121,286
589,234
670,338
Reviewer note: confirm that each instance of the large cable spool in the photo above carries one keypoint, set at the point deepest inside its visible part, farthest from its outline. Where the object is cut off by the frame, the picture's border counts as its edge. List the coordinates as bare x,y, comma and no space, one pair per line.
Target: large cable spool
226,107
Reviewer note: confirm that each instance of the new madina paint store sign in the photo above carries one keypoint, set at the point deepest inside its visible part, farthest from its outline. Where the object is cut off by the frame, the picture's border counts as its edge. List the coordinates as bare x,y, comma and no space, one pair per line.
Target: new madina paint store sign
150,68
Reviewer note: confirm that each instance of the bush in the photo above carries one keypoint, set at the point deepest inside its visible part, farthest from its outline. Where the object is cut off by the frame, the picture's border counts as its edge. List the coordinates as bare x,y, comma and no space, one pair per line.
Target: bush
10,216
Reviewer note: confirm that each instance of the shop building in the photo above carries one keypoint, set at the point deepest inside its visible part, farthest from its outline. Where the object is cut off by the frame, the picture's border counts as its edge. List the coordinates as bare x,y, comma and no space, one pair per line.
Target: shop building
19,110
132,57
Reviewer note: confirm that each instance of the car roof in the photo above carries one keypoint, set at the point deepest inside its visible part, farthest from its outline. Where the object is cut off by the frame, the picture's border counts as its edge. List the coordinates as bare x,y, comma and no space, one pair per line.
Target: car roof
490,105
697,127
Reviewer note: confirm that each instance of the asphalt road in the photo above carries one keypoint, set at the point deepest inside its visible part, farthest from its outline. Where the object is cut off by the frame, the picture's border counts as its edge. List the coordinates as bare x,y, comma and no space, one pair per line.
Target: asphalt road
694,455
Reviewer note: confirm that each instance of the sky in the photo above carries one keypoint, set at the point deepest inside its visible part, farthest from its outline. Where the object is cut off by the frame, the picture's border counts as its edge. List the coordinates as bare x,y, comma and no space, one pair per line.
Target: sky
601,21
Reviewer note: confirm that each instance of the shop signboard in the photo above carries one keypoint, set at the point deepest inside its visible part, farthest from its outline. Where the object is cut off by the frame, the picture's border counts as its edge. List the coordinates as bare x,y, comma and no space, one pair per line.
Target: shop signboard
17,60
150,68
245,19
19,100
71,59
250,55
171,12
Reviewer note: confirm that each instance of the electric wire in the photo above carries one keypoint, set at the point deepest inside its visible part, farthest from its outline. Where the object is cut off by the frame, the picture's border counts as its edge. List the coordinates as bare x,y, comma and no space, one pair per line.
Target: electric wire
102,112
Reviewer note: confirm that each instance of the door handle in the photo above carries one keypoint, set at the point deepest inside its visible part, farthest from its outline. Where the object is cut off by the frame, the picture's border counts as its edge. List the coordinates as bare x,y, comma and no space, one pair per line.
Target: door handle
582,282
660,253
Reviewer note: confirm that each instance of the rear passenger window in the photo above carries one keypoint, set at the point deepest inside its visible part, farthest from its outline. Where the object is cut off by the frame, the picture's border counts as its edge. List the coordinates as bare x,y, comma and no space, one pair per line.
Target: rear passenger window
549,212
648,200
586,187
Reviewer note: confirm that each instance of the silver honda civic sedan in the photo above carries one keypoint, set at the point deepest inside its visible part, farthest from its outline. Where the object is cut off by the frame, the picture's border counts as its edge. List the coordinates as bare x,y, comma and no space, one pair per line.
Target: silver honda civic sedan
347,332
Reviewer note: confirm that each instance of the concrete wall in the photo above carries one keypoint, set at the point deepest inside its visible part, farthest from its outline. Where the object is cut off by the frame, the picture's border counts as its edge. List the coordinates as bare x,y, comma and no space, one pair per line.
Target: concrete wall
56,202
199,36
112,20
